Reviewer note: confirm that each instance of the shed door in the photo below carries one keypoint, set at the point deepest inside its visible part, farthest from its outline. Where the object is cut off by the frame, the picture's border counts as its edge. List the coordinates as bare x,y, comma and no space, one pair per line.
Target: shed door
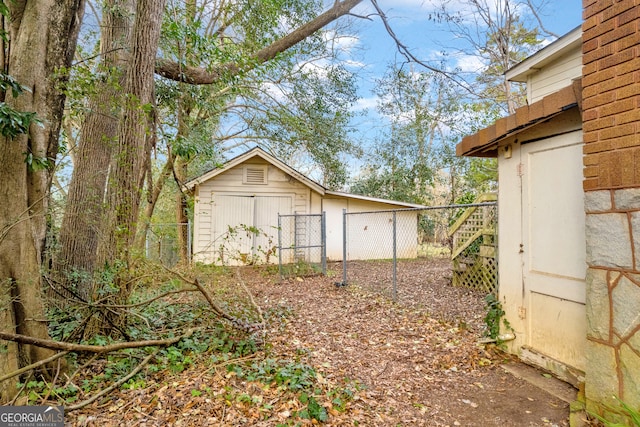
267,209
235,212
554,247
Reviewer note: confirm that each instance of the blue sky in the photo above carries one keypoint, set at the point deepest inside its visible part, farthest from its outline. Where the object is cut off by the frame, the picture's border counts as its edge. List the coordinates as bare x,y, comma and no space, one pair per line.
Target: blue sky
374,48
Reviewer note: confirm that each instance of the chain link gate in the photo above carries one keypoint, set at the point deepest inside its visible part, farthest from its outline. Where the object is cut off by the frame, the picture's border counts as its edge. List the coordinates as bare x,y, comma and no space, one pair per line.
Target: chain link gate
302,244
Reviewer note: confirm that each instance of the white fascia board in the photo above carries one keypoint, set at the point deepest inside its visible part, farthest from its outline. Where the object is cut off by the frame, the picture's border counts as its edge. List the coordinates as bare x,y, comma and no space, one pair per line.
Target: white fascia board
519,72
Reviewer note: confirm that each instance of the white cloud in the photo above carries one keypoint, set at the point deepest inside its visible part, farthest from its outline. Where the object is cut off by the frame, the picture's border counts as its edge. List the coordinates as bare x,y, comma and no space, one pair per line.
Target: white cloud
365,104
469,63
275,91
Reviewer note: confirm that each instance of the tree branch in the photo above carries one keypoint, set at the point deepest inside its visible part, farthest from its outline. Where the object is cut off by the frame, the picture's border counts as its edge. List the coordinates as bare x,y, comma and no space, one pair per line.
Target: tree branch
201,76
65,346
250,328
219,311
534,10
404,50
32,366
114,385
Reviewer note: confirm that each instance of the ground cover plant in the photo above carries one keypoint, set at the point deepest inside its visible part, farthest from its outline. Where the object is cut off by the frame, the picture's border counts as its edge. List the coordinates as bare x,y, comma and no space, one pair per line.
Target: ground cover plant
321,354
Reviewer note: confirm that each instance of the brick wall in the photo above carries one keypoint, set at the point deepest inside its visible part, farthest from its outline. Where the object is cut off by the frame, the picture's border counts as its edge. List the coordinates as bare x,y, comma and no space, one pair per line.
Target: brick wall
611,93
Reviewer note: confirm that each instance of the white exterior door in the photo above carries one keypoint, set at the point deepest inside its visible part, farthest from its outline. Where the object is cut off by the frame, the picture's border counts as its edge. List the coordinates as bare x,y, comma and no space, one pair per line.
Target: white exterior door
266,211
229,215
553,245
233,219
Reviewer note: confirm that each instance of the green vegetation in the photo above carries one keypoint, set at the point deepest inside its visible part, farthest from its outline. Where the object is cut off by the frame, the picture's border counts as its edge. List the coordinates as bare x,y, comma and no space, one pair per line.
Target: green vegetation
494,318
629,414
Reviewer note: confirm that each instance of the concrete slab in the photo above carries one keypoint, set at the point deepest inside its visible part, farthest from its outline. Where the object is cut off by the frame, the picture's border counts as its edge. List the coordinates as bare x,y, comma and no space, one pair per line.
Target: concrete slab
542,380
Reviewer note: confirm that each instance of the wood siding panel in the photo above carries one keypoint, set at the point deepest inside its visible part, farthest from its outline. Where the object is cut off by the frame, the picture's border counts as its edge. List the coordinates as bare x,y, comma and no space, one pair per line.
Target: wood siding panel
278,182
369,234
230,183
555,76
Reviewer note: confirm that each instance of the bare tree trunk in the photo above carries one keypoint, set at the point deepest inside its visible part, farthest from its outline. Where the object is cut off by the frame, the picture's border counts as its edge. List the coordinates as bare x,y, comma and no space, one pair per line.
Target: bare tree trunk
180,168
42,36
83,216
181,211
128,166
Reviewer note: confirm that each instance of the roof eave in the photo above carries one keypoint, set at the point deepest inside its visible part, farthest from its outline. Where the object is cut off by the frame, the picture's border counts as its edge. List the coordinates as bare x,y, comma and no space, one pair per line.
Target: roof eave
256,151
375,199
520,71
484,143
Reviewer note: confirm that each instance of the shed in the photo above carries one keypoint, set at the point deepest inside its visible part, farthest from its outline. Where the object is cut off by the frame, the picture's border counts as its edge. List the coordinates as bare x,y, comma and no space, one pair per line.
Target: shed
541,210
252,189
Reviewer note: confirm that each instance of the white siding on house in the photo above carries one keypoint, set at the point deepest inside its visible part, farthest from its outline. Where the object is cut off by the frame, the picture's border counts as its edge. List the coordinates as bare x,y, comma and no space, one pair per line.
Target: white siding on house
555,75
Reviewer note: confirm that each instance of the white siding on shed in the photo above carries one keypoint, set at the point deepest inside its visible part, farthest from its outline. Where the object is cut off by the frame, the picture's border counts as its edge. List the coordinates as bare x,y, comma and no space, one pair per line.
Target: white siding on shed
370,234
219,202
253,188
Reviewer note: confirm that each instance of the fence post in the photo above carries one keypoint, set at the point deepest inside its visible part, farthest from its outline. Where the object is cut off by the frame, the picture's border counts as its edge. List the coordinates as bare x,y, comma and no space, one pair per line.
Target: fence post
280,245
147,251
189,242
395,259
323,238
344,247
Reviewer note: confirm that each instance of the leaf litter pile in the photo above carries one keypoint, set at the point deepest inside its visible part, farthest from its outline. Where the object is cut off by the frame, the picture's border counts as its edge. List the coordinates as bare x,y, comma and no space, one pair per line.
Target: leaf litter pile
338,356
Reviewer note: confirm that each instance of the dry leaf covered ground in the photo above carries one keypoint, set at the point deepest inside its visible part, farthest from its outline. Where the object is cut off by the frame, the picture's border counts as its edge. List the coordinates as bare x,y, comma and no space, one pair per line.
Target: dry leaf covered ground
376,362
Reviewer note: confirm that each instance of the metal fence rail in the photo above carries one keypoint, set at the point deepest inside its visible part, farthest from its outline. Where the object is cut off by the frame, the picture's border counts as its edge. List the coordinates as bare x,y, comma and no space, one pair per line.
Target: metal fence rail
401,239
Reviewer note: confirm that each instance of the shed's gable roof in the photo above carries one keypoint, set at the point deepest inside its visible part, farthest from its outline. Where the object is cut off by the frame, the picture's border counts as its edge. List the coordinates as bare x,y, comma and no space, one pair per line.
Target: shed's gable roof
259,152
340,194
256,152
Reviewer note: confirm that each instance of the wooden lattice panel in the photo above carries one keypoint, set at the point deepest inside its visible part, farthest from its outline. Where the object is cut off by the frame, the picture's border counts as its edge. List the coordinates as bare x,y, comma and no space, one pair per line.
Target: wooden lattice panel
474,255
480,273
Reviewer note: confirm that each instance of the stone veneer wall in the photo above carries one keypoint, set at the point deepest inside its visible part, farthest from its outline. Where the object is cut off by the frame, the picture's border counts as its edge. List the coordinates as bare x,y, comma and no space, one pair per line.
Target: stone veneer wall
611,128
613,297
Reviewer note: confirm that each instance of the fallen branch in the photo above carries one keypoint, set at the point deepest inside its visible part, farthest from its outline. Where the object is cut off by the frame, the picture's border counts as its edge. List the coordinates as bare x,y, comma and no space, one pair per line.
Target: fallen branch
53,383
32,366
80,368
250,328
255,305
219,311
227,362
65,346
157,297
114,385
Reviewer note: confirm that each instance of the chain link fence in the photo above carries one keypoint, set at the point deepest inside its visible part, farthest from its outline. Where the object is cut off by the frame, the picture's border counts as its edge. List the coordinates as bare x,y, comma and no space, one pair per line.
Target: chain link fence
388,250
163,243
302,244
